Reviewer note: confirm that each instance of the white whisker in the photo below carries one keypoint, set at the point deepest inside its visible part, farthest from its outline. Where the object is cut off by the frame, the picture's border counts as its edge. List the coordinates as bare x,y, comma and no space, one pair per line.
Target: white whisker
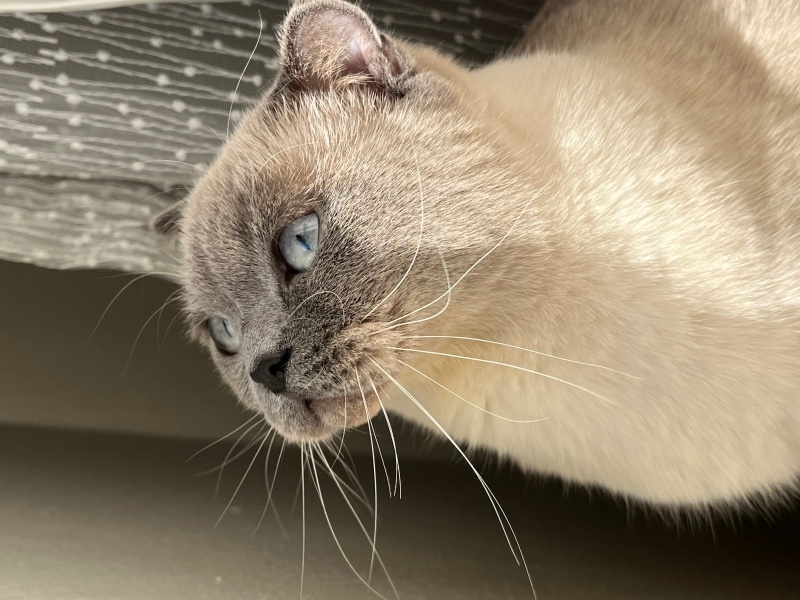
167,191
269,504
352,475
419,242
363,530
155,160
224,437
158,321
273,156
374,476
297,494
475,264
507,365
241,482
316,481
505,525
231,450
471,339
247,64
480,408
166,333
170,299
138,273
114,299
303,488
380,457
398,484
321,292
344,429
358,494
394,324
212,130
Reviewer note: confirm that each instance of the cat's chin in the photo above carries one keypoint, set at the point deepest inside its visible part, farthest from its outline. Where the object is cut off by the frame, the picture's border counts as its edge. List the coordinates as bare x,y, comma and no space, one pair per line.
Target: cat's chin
296,421
320,419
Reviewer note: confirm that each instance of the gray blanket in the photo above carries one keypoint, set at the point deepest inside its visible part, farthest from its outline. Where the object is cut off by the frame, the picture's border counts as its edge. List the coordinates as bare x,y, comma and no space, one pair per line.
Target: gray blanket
106,115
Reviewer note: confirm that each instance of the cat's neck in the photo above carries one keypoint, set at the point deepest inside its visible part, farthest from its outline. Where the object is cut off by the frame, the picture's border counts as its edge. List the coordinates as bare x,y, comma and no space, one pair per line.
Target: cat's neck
520,93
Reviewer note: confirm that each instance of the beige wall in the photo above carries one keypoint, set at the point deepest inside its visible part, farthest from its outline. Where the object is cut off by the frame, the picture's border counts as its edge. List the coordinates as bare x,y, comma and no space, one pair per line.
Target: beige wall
52,375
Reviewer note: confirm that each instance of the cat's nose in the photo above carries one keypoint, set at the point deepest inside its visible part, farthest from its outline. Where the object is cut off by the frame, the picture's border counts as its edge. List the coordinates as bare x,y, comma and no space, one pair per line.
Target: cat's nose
271,371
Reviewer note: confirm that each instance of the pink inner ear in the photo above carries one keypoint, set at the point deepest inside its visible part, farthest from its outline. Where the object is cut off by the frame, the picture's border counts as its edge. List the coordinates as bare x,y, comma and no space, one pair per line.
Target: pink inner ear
360,44
333,44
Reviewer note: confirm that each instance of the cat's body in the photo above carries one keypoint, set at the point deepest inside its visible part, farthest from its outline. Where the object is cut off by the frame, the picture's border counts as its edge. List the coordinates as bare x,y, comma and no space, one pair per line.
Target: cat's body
673,198
623,190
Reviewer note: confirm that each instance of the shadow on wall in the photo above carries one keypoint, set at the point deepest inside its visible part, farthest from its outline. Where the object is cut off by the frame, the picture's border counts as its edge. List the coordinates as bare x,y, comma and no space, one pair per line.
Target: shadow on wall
55,373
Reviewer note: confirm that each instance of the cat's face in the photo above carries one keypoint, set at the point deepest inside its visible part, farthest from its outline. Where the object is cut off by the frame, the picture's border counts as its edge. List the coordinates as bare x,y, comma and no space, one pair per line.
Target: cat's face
329,218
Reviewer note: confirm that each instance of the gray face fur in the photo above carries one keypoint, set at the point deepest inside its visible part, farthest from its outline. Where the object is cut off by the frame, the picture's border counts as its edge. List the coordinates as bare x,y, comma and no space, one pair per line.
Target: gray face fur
361,133
655,264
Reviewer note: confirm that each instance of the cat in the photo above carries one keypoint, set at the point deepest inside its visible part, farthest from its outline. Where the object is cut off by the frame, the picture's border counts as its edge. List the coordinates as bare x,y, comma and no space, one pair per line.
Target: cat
583,257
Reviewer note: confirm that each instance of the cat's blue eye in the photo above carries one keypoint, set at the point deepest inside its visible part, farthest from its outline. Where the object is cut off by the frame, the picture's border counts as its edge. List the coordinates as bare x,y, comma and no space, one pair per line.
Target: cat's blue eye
224,335
298,242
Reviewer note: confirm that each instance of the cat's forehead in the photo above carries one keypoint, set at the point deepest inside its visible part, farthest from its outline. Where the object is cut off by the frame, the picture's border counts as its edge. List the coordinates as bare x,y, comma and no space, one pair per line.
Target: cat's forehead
279,161
356,161
276,167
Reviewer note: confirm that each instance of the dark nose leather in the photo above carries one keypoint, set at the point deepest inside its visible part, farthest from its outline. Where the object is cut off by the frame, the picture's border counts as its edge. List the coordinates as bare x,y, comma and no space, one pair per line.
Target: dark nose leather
271,372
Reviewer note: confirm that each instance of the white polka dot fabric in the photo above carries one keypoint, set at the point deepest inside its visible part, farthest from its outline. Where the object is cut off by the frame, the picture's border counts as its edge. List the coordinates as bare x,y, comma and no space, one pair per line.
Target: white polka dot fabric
66,223
101,111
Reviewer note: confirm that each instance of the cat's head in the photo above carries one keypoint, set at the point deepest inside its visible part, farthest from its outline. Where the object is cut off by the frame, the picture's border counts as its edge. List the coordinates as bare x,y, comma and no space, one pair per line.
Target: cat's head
346,200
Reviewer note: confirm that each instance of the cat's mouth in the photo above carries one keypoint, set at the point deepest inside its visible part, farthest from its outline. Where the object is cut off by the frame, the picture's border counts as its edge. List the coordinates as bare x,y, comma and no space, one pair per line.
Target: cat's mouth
314,419
344,411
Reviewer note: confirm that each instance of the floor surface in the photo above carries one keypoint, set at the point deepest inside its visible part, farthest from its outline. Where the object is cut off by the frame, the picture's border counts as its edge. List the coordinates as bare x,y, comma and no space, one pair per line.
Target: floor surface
101,517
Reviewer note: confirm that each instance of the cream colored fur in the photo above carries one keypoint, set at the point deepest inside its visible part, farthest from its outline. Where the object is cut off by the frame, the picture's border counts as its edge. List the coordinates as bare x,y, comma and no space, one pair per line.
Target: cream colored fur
670,131
621,190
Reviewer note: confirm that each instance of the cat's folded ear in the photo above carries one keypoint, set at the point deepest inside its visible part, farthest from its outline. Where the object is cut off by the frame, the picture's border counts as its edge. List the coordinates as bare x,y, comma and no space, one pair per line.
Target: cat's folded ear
331,44
168,222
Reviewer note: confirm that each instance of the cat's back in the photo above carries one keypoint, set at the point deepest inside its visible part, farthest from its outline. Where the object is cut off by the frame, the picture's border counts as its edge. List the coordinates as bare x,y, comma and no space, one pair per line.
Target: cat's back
692,107
665,135
733,64
765,33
